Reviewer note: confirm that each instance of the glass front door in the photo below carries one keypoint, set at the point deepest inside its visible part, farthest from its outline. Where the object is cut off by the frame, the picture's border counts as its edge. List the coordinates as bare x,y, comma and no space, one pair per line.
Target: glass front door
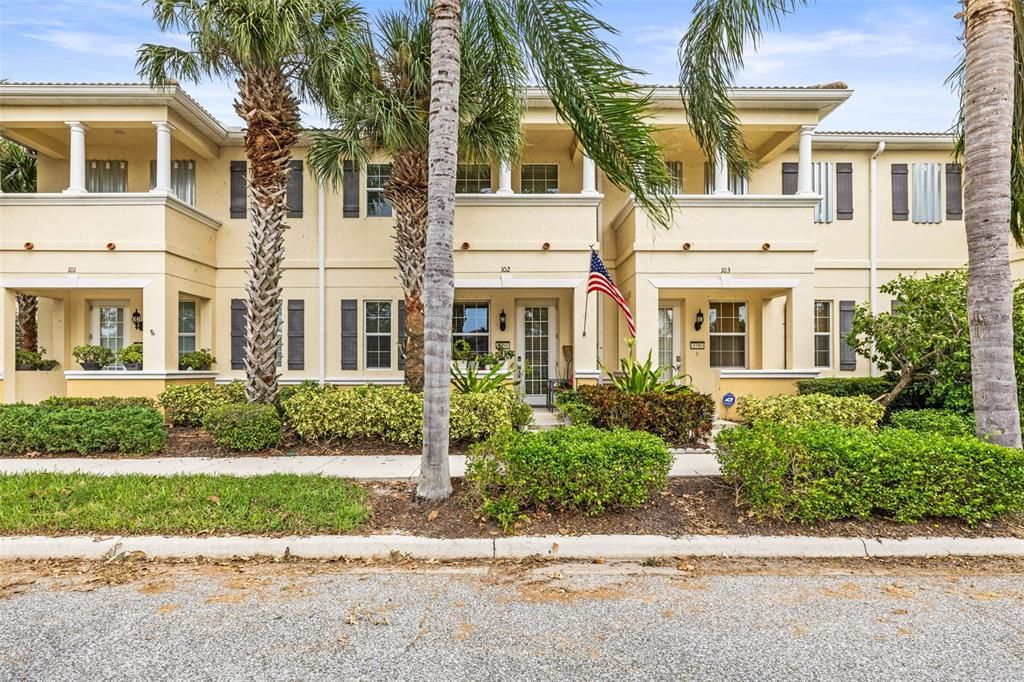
111,328
538,338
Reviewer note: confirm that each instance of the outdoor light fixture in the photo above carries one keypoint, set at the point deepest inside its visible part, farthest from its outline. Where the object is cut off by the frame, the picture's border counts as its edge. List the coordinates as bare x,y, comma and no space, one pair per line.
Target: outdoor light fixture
698,321
137,320
502,319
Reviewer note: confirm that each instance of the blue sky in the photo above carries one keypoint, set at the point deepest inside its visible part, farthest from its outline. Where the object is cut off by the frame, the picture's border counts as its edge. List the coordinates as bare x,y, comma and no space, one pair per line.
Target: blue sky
894,53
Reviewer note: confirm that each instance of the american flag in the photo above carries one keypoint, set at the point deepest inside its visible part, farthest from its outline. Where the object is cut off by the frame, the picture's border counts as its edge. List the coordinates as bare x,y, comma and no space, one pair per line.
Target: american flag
602,282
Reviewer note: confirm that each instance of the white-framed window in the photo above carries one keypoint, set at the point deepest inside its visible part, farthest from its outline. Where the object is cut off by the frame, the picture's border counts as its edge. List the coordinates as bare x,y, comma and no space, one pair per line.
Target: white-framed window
473,178
104,175
927,193
538,178
675,171
378,334
183,179
471,323
187,324
377,174
728,333
823,333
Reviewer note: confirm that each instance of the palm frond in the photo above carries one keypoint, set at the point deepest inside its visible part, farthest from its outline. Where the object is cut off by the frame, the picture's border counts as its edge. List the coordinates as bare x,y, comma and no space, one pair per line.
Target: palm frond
17,168
710,54
595,93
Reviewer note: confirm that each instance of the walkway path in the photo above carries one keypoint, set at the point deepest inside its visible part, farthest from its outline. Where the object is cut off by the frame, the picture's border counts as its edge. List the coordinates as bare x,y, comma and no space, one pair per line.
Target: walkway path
363,467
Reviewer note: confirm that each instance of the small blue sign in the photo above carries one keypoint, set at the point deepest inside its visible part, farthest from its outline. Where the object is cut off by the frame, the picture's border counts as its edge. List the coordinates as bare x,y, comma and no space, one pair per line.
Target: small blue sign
728,400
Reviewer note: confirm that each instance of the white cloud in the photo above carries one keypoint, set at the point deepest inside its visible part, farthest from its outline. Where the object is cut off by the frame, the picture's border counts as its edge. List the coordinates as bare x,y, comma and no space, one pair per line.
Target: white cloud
89,43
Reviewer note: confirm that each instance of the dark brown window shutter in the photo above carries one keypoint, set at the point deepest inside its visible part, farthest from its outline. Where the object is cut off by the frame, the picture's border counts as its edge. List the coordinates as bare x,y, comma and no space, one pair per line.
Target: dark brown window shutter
350,190
900,198
790,177
237,333
954,192
295,190
238,189
844,191
349,334
296,333
847,357
401,334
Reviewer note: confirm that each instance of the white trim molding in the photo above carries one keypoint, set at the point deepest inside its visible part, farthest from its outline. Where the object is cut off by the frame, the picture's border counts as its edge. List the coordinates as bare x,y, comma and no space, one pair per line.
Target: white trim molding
152,198
587,373
128,375
502,282
769,373
73,282
517,199
721,282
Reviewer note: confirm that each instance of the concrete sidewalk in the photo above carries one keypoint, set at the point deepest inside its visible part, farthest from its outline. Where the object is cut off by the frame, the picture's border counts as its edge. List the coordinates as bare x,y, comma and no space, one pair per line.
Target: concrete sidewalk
359,467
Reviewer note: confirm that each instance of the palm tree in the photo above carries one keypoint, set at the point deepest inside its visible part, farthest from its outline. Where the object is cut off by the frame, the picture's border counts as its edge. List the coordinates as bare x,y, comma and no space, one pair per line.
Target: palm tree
18,174
991,123
276,50
560,42
379,103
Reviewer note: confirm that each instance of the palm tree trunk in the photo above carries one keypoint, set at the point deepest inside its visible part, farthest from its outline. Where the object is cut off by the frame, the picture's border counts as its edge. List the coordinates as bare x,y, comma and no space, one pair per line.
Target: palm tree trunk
988,120
27,330
407,192
271,114
439,281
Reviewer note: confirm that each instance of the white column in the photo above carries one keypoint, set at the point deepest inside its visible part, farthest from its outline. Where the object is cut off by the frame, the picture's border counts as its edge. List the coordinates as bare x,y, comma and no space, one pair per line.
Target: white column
505,177
589,175
721,173
803,176
76,174
163,156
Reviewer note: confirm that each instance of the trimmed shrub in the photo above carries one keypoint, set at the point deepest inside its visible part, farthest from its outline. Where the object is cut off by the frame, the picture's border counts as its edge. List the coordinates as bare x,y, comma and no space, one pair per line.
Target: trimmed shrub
394,414
243,427
187,404
933,421
568,468
680,418
107,402
85,430
808,409
845,387
827,472
570,407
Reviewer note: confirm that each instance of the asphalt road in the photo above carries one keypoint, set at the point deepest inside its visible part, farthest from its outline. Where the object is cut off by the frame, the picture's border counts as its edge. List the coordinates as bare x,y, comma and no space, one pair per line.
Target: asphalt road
300,621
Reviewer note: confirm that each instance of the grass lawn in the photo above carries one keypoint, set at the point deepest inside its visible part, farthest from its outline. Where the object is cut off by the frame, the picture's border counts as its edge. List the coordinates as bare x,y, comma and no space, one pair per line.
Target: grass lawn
131,504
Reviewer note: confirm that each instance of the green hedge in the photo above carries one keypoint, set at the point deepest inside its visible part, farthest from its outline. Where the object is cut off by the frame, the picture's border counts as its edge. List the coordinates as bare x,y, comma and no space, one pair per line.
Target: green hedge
845,387
187,404
933,421
243,427
394,414
567,468
103,403
85,430
680,418
825,472
807,409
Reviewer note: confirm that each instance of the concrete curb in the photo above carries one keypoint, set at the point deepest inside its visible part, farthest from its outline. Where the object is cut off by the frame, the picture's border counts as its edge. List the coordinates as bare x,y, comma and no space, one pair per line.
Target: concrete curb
621,547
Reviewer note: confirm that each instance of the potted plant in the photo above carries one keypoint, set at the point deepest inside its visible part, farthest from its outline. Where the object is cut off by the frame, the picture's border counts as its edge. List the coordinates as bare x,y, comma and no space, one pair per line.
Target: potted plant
92,358
27,360
197,360
131,357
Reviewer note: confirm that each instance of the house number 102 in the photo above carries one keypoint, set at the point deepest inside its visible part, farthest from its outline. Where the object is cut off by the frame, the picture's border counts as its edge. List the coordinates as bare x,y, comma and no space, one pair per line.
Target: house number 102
506,268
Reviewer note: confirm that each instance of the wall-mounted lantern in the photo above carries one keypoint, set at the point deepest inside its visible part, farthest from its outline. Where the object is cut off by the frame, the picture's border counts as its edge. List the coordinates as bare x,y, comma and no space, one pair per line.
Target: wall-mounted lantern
698,321
502,320
137,320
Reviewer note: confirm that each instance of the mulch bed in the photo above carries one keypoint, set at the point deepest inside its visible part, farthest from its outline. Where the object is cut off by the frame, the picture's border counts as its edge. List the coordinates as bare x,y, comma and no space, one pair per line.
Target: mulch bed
690,506
185,441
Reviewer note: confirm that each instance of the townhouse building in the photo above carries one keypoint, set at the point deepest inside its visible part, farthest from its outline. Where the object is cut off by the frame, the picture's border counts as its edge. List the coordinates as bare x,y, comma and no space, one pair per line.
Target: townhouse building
138,233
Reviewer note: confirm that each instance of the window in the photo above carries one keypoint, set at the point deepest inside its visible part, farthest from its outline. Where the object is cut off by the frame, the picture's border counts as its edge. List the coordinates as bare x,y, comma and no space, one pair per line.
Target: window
183,179
823,333
471,323
821,183
666,338
186,327
539,178
728,329
376,175
927,193
110,328
378,334
675,171
473,178
106,176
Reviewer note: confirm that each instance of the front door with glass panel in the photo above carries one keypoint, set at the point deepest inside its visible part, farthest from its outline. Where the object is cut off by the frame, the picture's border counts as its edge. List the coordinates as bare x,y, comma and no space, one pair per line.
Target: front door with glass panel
669,340
538,340
109,327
